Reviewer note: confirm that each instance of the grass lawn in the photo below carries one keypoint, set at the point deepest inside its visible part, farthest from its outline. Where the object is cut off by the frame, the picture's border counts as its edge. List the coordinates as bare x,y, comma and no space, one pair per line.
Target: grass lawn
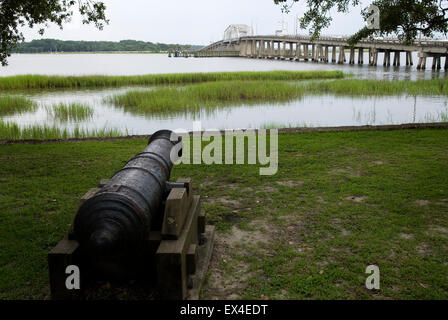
339,202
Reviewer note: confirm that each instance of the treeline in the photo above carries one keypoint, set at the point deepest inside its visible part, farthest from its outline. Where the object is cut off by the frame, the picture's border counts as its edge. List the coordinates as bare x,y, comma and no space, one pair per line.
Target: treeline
52,45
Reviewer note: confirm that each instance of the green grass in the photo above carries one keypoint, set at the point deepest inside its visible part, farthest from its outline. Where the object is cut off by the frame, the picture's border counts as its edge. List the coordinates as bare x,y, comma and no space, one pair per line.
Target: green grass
77,82
379,87
70,112
339,202
12,131
191,98
11,105
204,95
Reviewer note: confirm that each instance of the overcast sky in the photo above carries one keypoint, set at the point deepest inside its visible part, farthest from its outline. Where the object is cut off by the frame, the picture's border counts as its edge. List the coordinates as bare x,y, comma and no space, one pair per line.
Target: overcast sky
193,22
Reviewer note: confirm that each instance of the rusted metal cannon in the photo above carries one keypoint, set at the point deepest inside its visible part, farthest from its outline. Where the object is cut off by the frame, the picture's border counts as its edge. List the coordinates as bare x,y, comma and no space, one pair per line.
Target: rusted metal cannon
137,223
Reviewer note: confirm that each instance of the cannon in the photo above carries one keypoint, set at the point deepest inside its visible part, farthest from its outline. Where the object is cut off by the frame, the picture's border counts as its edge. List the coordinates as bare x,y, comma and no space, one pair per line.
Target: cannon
138,226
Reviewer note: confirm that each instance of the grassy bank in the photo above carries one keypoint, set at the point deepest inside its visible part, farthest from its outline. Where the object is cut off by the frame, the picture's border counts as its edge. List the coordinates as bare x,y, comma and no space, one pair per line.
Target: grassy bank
11,105
77,82
11,131
339,202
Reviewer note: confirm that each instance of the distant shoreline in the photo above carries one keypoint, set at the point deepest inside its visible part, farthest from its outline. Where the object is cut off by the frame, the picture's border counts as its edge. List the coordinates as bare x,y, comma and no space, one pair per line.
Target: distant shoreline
94,52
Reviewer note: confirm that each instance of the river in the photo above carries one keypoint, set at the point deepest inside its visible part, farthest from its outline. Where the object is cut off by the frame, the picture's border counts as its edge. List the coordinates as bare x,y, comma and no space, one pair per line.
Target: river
308,111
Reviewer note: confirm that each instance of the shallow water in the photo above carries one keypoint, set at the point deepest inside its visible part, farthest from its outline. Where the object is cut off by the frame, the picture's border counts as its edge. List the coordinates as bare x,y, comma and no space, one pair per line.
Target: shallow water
307,111
317,111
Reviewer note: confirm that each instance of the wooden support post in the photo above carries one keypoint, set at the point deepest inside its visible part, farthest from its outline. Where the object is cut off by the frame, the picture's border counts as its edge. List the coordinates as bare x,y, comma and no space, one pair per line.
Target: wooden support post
171,257
360,55
424,63
434,61
326,54
305,51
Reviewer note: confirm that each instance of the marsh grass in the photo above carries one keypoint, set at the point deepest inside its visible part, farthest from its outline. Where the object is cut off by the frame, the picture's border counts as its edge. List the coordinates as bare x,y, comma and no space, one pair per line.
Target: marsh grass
440,116
204,96
77,82
436,87
12,131
71,112
208,96
11,105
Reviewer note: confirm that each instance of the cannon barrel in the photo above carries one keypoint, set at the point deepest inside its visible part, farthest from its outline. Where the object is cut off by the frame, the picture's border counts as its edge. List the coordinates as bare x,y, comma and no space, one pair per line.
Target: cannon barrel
112,227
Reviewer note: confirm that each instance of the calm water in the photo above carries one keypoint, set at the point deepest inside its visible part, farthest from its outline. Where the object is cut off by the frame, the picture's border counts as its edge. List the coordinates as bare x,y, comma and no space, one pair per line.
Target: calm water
308,111
134,64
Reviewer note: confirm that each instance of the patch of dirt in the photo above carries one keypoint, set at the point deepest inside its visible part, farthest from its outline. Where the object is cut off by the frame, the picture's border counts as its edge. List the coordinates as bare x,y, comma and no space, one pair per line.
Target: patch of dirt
234,204
207,183
422,203
378,163
424,249
290,183
227,202
356,199
406,236
225,284
437,229
347,171
266,189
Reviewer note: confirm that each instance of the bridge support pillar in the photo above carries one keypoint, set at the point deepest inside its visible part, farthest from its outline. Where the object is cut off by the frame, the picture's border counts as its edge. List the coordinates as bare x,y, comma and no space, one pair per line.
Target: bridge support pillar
341,55
282,47
326,54
305,51
361,56
409,61
260,49
253,49
446,62
386,61
352,56
396,58
333,54
298,51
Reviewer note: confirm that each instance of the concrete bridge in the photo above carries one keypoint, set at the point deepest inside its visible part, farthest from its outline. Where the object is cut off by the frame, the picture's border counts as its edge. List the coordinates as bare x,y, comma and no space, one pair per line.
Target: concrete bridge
330,50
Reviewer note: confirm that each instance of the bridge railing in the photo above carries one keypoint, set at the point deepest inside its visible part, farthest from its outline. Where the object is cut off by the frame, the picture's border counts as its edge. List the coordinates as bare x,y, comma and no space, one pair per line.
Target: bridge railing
420,42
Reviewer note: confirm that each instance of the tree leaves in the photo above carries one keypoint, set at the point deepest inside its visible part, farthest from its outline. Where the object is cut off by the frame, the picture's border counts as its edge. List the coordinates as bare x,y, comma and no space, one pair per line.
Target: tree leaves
406,19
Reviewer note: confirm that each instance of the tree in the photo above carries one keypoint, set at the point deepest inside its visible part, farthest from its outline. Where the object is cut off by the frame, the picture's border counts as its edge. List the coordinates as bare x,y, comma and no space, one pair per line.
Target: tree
404,18
15,14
